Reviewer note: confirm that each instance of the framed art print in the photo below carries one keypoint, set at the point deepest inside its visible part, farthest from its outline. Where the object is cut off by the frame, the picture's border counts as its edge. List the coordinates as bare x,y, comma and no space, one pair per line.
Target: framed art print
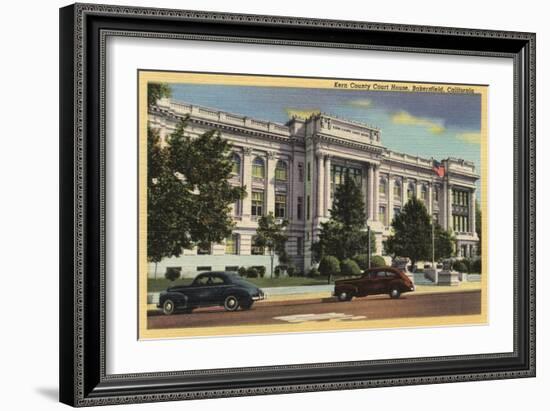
258,204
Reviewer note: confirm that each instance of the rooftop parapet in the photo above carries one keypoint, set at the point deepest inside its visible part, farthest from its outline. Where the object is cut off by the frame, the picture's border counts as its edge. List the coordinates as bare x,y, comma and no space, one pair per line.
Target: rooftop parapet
200,112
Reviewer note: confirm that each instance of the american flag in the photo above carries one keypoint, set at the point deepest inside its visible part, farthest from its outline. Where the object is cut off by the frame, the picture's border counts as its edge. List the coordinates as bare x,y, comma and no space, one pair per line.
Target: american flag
438,168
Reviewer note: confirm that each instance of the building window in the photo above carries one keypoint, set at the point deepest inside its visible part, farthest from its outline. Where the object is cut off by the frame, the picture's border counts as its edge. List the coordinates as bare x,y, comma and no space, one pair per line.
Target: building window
299,246
382,186
281,171
382,214
338,173
308,171
257,203
204,268
424,193
204,249
397,189
301,172
258,168
410,191
280,205
232,244
256,250
308,208
300,208
396,211
460,223
236,164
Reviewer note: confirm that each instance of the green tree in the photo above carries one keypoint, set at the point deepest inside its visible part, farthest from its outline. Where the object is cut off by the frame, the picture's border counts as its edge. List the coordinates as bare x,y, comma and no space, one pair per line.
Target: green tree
444,241
329,266
271,234
412,235
156,91
344,235
479,224
188,192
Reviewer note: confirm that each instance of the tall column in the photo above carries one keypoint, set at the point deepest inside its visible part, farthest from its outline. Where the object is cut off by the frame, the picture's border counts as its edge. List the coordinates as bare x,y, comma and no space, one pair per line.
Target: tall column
328,202
370,193
430,200
270,183
449,207
389,196
473,211
404,191
290,190
375,189
320,181
247,181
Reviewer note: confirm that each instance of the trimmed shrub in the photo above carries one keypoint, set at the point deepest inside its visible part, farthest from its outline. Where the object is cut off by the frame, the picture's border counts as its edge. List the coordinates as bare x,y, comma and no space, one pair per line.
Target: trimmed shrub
329,265
242,271
362,261
261,270
172,273
349,267
314,272
291,270
252,272
377,261
460,267
278,270
476,266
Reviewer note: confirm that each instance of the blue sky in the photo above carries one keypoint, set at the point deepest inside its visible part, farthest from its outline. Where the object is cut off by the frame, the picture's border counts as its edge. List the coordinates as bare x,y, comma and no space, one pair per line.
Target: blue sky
423,124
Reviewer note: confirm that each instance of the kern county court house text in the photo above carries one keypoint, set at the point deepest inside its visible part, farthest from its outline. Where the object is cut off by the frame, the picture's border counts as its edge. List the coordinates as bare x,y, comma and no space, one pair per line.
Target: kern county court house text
292,170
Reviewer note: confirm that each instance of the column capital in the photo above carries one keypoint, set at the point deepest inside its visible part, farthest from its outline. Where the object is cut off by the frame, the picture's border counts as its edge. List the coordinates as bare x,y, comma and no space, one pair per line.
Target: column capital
247,151
271,155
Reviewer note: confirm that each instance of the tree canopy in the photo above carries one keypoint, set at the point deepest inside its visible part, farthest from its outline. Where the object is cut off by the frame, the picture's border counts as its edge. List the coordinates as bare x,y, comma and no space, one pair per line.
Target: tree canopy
271,234
156,91
344,235
412,235
188,192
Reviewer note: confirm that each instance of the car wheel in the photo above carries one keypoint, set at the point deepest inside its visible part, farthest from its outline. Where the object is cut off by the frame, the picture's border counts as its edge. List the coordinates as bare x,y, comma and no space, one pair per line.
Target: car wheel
231,303
168,307
395,293
344,296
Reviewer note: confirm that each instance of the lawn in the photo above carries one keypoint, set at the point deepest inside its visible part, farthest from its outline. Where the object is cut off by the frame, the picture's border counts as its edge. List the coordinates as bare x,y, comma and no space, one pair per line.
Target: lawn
161,284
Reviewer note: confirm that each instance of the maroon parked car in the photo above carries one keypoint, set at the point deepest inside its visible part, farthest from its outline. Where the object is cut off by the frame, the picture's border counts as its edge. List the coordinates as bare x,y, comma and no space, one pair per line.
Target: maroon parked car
380,280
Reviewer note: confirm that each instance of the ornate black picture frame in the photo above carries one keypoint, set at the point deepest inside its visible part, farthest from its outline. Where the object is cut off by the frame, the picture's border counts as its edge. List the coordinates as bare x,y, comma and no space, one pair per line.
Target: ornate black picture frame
83,32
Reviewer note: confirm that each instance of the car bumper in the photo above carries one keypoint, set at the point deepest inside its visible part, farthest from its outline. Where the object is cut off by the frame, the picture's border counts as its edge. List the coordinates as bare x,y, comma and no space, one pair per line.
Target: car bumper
258,297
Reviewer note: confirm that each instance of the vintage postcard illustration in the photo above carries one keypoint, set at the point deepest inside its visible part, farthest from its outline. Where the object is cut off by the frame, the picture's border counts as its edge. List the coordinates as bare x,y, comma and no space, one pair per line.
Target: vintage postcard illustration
272,204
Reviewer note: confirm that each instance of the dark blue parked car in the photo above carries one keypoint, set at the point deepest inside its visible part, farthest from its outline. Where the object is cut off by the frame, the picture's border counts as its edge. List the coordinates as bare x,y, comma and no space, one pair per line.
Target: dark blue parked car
217,288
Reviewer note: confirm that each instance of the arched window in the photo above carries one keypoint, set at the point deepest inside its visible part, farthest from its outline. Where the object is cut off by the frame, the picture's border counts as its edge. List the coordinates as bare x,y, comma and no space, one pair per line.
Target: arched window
410,191
382,186
258,168
235,164
397,189
281,171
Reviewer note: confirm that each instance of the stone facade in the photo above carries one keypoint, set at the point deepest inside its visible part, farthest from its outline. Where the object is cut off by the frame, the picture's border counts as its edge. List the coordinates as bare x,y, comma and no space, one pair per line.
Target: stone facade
291,170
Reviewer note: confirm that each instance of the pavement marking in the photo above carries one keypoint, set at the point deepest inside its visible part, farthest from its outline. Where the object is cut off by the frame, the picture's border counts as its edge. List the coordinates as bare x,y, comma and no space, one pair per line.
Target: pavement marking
302,318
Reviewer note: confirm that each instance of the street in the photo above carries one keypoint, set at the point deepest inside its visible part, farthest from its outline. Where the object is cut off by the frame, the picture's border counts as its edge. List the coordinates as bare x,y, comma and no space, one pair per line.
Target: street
300,311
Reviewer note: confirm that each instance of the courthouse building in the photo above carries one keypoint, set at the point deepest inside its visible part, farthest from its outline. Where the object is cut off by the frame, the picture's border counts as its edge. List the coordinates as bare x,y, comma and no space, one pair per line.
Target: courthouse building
292,171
